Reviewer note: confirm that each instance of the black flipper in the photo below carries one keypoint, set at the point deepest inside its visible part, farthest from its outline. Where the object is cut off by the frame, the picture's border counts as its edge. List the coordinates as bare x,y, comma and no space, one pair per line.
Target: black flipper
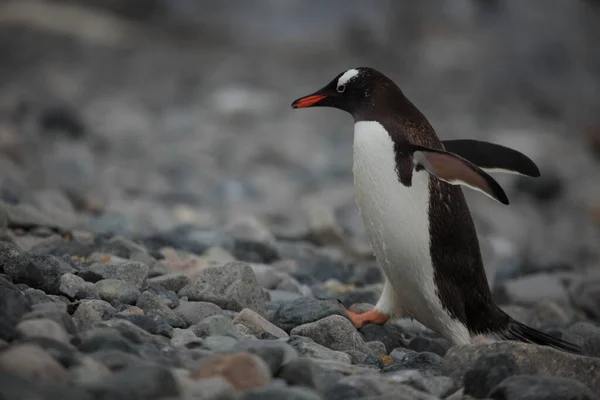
493,157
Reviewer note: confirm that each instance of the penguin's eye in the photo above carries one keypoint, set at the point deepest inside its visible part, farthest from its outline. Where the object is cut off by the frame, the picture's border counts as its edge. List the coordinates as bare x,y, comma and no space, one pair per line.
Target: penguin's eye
341,88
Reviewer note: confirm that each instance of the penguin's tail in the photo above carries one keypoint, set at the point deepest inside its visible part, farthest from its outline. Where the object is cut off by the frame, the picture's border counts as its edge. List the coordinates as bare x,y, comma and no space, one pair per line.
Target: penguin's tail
518,331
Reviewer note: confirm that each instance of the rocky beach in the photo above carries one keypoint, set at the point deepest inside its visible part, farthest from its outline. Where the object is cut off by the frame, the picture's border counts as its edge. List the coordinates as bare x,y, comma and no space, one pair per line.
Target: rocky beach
171,229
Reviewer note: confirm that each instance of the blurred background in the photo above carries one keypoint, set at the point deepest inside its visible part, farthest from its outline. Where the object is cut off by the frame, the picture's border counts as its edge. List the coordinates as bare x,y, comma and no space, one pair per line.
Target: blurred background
138,116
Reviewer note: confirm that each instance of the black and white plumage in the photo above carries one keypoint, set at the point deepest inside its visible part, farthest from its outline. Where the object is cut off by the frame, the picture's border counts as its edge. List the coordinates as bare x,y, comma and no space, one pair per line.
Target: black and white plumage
408,190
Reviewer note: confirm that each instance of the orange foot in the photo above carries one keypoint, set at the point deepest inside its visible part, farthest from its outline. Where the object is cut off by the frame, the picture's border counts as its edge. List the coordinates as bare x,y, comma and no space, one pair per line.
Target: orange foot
369,317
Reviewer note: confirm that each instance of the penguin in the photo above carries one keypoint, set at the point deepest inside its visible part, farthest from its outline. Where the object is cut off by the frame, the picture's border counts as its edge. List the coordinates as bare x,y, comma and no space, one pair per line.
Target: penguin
408,189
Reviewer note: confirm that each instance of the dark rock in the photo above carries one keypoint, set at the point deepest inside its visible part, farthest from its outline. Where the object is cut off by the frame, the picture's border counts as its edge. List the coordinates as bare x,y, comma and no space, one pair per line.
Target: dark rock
306,347
545,188
195,311
139,383
174,281
334,332
421,344
586,335
429,364
62,352
273,352
529,387
487,372
392,336
117,292
373,385
280,393
13,304
153,324
62,120
305,310
41,272
36,296
117,360
254,251
16,386
104,339
357,296
75,287
167,296
189,238
366,273
232,286
133,333
152,304
306,372
132,272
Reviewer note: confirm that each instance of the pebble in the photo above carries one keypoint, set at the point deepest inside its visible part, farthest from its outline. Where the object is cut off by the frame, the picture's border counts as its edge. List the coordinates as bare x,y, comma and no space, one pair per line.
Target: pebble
258,325
92,311
216,325
174,281
153,324
141,382
13,304
371,386
335,332
88,372
166,296
42,327
153,305
183,337
274,352
217,388
306,347
308,373
132,272
219,343
279,393
530,359
56,312
33,362
195,311
76,288
429,364
242,370
376,347
528,387
488,371
117,292
41,272
302,311
232,286
432,345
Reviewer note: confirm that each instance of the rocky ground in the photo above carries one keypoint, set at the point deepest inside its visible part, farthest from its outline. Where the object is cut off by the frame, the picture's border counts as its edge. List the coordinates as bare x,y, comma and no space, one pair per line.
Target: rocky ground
170,228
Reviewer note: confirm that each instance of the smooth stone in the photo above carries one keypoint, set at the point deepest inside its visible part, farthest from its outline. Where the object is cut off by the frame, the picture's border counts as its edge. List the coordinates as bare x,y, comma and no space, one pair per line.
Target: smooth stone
529,387
335,332
219,344
54,311
88,372
258,325
392,336
530,359
76,288
13,304
303,311
137,383
308,373
242,370
174,281
183,337
116,291
132,272
92,311
217,388
274,352
33,362
153,305
36,296
232,286
487,372
376,347
195,311
280,393
429,364
346,368
216,325
42,327
306,347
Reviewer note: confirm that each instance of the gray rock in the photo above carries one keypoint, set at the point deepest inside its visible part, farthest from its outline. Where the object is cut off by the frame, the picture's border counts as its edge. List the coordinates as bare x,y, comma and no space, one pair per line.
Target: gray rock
36,296
88,372
166,296
13,304
215,325
116,291
183,337
140,383
195,311
232,286
334,332
532,289
219,343
33,362
40,272
174,281
428,364
258,325
439,386
56,312
586,335
153,324
487,372
530,359
305,310
308,373
76,288
45,328
152,305
432,345
280,393
132,272
274,352
377,347
283,296
528,387
117,360
92,311
347,369
216,388
373,386
306,347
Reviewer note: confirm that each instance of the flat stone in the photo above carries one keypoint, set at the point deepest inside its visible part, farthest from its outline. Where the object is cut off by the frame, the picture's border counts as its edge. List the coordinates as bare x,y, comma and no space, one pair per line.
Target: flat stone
303,311
530,359
306,347
375,387
33,362
76,288
183,337
217,388
232,286
132,272
242,370
88,372
195,311
42,327
174,281
257,324
116,291
335,332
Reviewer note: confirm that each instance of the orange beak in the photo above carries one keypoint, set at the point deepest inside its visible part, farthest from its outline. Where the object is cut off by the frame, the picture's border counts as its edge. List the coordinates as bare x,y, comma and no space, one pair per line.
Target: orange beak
308,101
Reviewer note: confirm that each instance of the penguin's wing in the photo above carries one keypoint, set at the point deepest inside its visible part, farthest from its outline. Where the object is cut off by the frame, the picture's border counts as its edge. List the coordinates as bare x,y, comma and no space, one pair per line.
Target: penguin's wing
455,170
492,157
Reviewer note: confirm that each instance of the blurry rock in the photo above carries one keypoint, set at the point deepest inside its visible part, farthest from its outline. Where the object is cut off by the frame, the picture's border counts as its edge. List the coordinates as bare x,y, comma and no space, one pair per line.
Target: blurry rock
334,332
428,364
91,311
62,120
532,289
76,288
132,272
13,304
372,386
195,311
377,348
257,324
421,344
88,372
586,295
141,382
189,238
153,324
116,291
249,228
529,387
153,305
280,393
42,327
487,372
585,334
219,344
174,281
40,272
232,287
183,337
303,311
242,370
33,362
216,325
308,373
544,188
306,347
530,359
217,388
166,296
391,335
274,352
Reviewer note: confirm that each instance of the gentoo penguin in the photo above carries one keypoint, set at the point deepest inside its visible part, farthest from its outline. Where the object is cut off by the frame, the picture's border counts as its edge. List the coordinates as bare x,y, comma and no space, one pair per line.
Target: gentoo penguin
408,190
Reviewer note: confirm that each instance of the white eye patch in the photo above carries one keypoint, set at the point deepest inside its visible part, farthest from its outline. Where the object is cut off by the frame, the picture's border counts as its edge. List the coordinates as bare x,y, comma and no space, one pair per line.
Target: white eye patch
347,76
